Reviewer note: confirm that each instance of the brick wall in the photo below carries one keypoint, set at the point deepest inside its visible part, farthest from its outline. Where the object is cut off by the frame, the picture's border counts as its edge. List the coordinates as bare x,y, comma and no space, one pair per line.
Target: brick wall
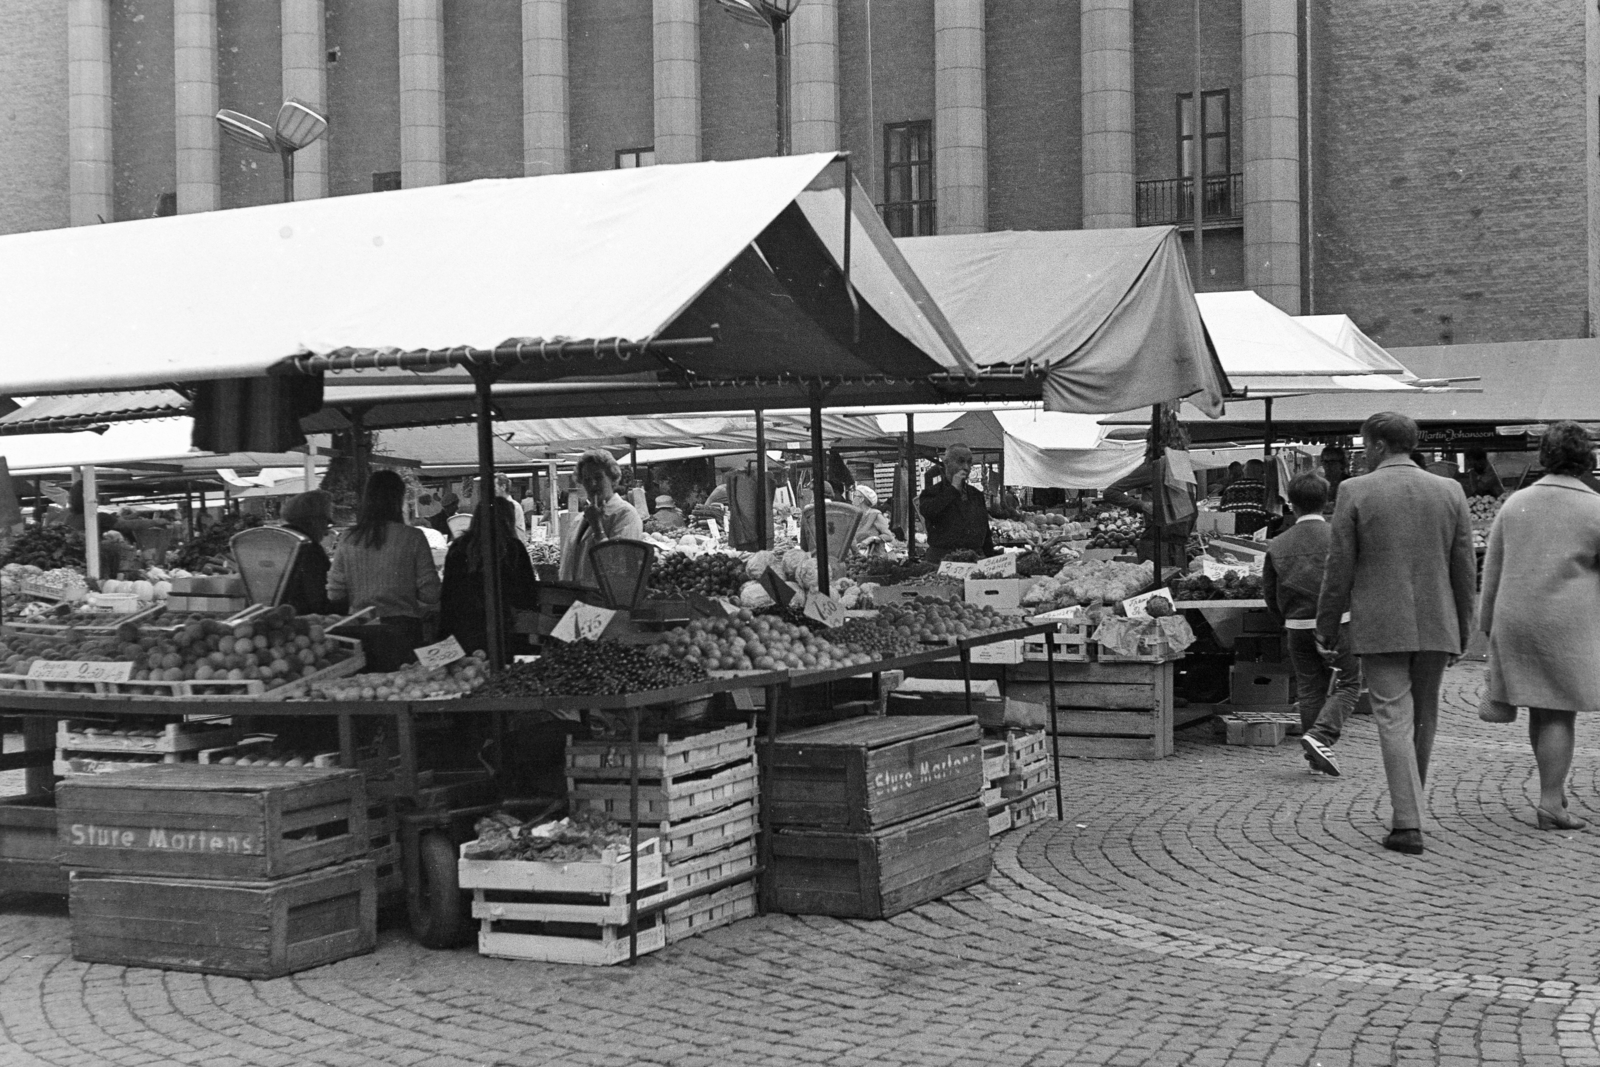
144,151
250,79
738,118
363,93
33,118
611,88
902,77
1035,118
1163,67
482,91
1450,196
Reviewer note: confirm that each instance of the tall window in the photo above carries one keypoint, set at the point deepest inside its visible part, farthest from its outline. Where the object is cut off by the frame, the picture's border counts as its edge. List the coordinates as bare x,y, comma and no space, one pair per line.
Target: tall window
908,199
627,158
1215,130
385,181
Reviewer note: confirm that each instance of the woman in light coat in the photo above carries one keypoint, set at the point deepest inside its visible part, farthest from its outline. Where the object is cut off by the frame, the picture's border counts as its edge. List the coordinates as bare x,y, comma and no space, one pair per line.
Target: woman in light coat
1541,609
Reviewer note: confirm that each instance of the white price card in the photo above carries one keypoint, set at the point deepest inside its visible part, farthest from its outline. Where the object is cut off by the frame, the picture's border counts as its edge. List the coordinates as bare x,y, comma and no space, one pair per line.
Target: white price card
73,670
959,571
1137,607
583,621
824,609
439,654
1002,566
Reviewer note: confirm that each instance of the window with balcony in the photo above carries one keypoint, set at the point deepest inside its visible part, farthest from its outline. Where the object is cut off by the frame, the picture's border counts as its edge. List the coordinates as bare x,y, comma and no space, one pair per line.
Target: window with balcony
1165,201
908,197
627,158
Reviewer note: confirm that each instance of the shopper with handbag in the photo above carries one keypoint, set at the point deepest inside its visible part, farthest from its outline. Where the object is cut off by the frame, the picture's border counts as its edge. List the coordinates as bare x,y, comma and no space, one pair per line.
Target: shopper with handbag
1541,609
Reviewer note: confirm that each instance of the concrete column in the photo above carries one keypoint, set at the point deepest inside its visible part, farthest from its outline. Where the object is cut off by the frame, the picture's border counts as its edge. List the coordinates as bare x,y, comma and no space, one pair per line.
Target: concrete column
1591,26
546,122
677,80
814,77
1106,48
1272,152
89,111
305,78
421,93
960,117
194,79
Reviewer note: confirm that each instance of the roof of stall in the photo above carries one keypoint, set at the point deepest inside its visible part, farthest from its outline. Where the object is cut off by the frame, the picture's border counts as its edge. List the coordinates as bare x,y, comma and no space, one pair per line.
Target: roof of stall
563,272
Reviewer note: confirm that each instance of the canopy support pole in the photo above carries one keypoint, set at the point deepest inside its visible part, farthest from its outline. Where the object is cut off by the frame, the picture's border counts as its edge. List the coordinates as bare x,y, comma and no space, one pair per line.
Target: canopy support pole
763,520
633,459
1158,488
308,468
1197,128
819,496
911,487
358,447
1270,474
488,538
91,523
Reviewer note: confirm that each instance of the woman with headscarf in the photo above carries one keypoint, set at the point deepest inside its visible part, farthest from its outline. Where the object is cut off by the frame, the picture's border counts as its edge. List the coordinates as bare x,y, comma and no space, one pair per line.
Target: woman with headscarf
606,518
386,565
309,514
462,614
874,523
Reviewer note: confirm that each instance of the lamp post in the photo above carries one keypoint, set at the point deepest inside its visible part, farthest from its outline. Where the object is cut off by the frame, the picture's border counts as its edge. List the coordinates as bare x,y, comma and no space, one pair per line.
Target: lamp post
774,15
296,126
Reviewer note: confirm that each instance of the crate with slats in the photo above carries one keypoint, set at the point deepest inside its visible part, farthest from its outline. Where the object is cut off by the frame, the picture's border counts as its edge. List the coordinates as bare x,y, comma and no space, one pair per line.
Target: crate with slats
710,912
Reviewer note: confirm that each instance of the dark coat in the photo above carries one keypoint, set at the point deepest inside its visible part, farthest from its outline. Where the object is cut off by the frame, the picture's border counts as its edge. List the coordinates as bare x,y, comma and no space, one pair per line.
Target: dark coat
956,518
307,587
461,610
1291,575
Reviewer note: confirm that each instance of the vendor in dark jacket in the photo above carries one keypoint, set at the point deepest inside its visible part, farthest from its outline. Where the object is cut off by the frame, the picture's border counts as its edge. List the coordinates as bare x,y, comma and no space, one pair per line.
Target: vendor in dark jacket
461,608
1291,581
954,509
307,588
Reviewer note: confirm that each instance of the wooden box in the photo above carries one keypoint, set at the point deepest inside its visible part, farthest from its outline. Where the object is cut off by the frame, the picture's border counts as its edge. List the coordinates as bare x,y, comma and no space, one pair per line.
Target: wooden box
246,929
1263,733
664,758
28,845
879,874
586,944
722,908
1072,644
605,875
862,774
1115,710
989,711
696,871
670,800
689,838
193,821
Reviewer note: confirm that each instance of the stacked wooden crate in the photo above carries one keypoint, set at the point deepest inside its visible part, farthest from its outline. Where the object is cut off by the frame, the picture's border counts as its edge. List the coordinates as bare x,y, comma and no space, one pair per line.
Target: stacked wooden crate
1119,710
700,795
996,765
89,748
873,816
247,871
1030,769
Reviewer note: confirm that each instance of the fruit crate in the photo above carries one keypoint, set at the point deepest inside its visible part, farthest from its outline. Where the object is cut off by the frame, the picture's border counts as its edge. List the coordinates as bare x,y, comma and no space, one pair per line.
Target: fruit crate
383,849
687,874
702,914
28,845
33,587
996,761
1024,779
689,838
354,661
665,759
669,800
70,764
172,738
1072,644
576,943
1026,747
228,757
246,929
210,689
999,821
1153,648
1033,809
605,875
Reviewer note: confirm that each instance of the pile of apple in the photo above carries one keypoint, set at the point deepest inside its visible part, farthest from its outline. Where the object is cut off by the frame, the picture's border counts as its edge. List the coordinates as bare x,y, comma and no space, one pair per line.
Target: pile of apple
936,621
745,641
415,682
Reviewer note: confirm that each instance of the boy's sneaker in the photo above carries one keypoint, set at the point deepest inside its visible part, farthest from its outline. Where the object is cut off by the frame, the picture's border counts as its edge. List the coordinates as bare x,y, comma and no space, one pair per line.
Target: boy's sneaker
1319,755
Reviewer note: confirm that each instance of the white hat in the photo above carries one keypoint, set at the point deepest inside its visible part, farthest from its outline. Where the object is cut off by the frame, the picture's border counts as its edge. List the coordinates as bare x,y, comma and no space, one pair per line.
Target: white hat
663,502
867,494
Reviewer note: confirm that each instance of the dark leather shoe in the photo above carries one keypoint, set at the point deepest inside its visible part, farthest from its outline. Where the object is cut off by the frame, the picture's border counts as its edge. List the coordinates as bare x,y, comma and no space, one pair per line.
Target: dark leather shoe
1559,820
1407,841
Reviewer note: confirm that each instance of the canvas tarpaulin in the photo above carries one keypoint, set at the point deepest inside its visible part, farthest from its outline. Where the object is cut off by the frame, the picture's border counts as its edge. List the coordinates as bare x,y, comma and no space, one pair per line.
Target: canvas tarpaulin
1107,315
1064,451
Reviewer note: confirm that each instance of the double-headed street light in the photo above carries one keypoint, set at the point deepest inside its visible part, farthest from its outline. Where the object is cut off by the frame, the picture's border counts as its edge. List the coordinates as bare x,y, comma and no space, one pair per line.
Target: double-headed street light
297,126
773,14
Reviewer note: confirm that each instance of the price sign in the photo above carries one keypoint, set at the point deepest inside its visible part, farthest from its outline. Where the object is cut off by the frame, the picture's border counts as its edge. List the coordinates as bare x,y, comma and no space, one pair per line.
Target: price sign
583,621
959,571
1002,566
1136,607
439,654
824,609
1217,569
782,592
715,528
73,670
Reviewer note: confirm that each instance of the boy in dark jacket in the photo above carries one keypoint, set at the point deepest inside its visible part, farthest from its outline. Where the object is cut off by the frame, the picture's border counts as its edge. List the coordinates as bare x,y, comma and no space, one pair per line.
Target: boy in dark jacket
1291,580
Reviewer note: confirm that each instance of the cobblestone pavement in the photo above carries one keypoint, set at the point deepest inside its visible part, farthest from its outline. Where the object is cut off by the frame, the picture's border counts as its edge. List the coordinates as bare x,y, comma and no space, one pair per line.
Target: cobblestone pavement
1221,907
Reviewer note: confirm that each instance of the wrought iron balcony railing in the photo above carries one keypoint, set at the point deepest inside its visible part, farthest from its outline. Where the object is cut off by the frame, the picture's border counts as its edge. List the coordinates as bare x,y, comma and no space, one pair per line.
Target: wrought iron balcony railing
1169,201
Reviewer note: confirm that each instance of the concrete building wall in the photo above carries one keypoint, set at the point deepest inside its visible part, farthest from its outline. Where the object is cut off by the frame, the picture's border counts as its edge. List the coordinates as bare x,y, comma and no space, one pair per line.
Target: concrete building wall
483,91
738,102
1035,125
33,123
363,93
611,77
250,79
1450,179
900,70
144,146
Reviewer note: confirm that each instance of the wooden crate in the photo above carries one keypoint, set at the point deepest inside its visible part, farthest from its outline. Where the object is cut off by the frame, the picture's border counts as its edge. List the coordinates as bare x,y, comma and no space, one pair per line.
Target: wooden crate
1262,733
999,821
28,845
861,774
383,849
1072,641
247,929
996,761
1025,747
608,909
1116,710
1153,648
607,874
687,874
688,838
70,764
1019,782
173,737
594,946
989,711
193,821
669,801
663,759
1035,808
722,908
882,873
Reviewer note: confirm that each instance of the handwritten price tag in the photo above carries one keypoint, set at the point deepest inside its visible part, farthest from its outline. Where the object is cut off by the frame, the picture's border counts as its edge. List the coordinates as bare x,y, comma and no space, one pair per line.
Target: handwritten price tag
959,571
1002,566
824,609
439,654
583,621
72,670
1137,607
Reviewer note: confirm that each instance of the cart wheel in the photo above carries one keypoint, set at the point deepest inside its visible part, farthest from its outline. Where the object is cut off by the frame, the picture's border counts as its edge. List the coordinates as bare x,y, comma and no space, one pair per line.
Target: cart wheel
437,912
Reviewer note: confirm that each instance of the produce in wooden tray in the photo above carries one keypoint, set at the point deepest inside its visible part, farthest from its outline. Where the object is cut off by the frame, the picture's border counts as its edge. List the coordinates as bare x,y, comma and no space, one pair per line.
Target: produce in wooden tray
1232,586
544,553
593,668
713,574
886,570
584,836
877,638
414,682
750,642
1089,580
941,621
45,547
1117,529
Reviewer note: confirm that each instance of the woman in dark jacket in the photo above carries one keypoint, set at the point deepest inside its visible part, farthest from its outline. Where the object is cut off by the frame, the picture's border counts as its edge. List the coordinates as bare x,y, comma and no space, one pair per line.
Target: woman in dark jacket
307,589
461,608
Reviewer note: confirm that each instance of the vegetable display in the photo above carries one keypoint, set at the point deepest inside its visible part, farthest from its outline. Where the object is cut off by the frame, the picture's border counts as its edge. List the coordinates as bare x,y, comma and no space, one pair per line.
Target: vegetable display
414,682
46,547
585,836
747,641
544,553
885,570
209,552
713,574
1232,586
593,668
1117,529
1090,580
935,621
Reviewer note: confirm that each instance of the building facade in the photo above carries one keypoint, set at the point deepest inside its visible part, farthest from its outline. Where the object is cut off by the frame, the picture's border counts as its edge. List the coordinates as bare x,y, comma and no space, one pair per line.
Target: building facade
1429,168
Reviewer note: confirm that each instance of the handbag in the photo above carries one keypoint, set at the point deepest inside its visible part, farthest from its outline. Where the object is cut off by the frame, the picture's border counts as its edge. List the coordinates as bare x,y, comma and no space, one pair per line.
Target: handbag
1490,710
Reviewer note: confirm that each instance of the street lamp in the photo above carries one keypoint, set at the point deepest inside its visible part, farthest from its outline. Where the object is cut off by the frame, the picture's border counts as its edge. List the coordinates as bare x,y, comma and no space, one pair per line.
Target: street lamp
774,15
297,126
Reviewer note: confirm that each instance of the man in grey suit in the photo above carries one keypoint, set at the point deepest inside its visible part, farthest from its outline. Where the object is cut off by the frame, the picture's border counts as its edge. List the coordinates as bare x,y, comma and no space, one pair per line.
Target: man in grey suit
1401,563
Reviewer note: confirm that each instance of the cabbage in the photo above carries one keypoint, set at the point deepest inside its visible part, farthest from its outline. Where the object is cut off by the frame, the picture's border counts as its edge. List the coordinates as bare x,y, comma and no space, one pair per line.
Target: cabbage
792,560
759,564
754,595
806,574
